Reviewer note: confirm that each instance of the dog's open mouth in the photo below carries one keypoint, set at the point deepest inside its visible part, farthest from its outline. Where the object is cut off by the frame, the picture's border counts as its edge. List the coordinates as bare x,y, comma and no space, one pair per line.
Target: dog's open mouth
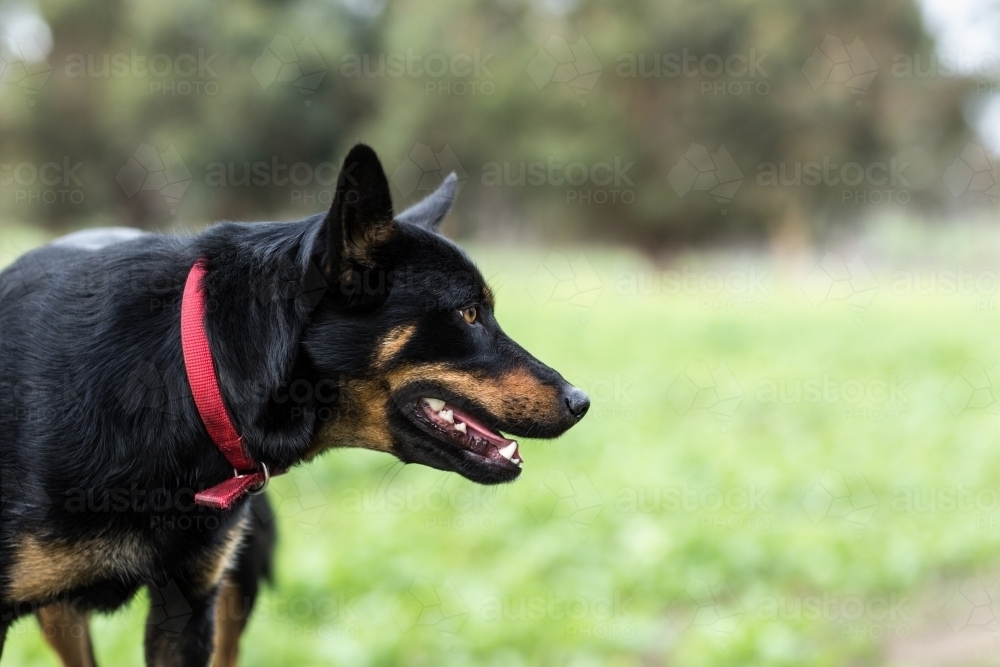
458,428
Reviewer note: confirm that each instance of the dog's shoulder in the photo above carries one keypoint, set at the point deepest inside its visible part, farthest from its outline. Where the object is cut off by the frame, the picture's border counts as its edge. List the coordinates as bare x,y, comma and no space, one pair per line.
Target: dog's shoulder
85,256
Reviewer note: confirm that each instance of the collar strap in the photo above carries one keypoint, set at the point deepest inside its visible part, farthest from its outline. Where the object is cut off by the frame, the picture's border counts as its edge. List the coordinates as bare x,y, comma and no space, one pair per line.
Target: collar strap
247,476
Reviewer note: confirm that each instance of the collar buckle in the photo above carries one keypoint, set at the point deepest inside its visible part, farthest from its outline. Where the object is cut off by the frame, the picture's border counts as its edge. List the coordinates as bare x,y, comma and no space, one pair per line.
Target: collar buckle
260,486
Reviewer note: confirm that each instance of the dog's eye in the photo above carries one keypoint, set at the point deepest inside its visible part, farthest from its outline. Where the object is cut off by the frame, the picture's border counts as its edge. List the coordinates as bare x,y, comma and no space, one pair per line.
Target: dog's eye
470,314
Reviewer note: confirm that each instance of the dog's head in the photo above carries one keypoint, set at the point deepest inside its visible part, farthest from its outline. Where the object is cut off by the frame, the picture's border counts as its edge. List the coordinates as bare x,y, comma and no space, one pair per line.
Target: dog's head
408,326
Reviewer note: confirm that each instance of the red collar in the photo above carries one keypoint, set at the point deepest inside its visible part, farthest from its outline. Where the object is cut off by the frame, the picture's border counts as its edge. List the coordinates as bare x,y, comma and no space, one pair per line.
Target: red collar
247,476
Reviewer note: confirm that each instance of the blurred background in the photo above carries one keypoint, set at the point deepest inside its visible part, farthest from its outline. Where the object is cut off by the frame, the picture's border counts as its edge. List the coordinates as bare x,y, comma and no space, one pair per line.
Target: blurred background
762,235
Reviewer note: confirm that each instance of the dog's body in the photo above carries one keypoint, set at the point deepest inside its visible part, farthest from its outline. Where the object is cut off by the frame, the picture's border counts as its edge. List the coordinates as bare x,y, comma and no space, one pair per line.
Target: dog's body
349,329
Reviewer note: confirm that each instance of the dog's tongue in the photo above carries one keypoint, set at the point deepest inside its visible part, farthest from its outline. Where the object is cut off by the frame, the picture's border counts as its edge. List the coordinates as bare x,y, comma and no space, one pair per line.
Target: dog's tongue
481,429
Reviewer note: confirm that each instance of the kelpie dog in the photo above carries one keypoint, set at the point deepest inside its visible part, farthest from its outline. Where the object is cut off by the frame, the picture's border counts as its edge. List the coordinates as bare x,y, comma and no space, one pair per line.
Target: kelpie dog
151,383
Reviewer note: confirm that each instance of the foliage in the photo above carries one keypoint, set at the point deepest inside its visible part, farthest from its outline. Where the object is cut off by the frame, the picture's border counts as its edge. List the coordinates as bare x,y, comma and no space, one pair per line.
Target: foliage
495,89
705,513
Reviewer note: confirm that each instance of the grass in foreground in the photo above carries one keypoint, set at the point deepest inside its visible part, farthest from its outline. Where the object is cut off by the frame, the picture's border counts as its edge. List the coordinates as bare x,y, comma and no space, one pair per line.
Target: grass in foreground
761,481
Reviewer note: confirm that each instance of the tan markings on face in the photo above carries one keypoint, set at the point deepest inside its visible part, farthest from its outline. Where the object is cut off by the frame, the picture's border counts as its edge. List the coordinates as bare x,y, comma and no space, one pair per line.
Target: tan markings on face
517,394
363,420
65,629
488,297
45,569
393,342
230,619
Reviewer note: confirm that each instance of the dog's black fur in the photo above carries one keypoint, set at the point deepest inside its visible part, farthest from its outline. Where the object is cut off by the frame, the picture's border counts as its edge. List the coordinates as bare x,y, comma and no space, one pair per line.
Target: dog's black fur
325,333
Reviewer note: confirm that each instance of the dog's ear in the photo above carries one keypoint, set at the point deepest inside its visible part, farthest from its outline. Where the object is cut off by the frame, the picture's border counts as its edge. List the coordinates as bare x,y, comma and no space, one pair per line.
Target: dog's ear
432,209
360,218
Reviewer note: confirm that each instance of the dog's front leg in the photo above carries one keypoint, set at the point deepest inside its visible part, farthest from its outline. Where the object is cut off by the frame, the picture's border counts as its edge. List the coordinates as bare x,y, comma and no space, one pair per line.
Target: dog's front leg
65,628
180,626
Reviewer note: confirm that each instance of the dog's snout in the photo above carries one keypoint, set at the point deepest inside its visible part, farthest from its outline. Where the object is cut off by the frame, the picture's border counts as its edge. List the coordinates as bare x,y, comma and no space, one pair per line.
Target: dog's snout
577,401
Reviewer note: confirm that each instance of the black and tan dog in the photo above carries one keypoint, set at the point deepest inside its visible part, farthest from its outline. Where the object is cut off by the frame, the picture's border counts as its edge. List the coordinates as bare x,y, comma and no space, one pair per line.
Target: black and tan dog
352,328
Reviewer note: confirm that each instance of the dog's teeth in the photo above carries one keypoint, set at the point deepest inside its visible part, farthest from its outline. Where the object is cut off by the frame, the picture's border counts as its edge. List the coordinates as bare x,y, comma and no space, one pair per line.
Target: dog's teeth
517,461
447,415
509,450
435,404
460,426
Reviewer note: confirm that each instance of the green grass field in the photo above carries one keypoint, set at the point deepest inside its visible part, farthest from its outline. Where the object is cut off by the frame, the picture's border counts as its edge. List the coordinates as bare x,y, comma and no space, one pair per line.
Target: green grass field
777,478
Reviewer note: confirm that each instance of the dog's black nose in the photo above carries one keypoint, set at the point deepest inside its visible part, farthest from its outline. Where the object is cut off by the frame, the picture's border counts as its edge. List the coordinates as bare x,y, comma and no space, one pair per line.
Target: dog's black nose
577,401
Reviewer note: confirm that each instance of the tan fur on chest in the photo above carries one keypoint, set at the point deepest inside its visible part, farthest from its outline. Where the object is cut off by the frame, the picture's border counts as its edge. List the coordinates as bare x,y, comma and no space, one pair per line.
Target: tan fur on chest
213,563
